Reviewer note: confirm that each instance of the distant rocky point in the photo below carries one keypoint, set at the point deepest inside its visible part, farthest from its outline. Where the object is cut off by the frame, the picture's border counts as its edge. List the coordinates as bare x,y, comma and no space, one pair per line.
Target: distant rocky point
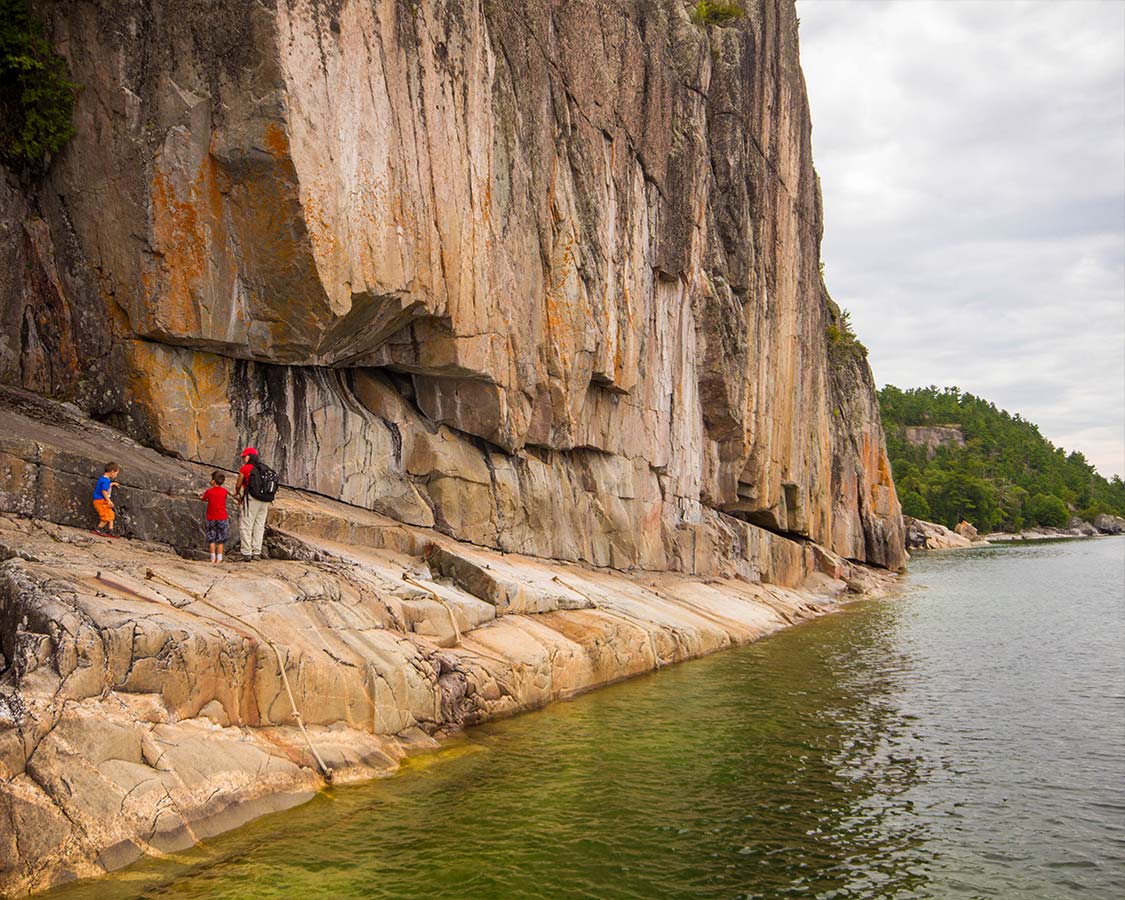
922,535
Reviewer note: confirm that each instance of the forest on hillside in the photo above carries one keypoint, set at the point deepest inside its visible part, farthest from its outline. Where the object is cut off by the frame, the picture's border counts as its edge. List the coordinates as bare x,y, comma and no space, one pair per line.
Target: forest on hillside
1007,476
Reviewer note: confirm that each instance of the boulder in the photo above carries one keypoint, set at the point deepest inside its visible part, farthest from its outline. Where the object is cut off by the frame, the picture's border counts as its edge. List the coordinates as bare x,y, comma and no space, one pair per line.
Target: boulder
1108,524
932,536
1080,527
966,530
915,533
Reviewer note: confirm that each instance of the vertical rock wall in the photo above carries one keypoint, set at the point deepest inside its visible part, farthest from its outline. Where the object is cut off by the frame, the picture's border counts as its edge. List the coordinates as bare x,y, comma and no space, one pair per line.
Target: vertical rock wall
543,276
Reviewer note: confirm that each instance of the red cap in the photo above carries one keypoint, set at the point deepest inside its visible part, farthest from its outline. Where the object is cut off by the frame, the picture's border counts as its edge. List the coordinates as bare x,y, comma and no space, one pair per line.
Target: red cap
249,451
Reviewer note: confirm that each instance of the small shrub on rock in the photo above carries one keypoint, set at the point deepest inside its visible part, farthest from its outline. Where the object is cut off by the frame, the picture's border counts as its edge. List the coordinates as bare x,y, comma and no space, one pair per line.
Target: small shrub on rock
842,340
710,12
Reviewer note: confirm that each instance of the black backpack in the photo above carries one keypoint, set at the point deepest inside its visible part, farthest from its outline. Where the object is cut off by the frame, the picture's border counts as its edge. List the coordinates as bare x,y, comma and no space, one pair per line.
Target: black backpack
263,483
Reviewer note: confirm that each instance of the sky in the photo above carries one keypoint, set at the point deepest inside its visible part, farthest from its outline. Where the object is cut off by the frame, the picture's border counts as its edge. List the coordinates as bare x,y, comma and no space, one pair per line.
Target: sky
972,161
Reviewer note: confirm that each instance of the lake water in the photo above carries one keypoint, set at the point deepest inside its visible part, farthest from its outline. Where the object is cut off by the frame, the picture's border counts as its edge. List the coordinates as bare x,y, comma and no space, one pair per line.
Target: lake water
966,740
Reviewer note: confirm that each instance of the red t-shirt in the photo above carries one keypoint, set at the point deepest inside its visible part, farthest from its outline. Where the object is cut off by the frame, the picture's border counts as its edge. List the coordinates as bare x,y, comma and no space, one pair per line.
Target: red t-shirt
245,471
216,498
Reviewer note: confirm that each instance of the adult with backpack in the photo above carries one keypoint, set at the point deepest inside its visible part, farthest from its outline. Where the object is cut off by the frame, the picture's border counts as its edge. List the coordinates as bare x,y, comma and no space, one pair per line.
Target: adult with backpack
256,489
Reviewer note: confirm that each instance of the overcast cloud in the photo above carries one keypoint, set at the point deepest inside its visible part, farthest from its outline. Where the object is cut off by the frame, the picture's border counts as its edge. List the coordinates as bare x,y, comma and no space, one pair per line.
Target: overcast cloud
972,157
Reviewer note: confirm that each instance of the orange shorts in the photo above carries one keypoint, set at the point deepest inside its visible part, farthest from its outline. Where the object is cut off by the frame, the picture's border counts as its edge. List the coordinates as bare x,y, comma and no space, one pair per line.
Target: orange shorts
104,510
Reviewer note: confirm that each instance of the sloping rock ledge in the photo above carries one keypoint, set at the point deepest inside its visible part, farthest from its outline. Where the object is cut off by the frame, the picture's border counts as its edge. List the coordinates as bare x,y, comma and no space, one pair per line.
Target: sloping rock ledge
148,701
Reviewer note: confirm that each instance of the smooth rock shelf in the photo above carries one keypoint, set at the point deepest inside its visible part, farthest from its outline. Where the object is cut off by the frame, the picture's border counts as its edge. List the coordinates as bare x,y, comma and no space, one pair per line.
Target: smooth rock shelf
150,701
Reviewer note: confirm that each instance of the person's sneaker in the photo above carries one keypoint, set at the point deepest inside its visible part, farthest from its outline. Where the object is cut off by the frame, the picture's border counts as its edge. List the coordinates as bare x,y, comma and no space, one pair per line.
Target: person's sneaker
257,556
246,557
100,533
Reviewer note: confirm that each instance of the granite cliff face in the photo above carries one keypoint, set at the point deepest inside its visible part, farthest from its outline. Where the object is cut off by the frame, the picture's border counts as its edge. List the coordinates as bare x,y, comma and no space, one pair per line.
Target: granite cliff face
523,302
544,278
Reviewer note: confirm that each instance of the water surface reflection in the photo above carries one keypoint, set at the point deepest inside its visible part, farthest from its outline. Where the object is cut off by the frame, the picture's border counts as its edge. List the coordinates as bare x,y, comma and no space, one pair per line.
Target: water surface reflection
965,741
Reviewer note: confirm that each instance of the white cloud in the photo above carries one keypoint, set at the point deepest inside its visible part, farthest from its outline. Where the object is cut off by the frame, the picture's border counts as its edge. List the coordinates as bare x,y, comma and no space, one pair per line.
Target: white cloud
972,156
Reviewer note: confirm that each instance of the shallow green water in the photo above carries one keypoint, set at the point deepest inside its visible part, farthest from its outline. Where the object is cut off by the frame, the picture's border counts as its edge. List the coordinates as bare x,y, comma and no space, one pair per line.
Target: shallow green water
965,741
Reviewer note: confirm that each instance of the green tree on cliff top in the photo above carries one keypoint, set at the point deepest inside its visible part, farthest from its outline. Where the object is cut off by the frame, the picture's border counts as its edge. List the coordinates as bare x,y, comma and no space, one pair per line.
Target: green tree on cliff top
36,94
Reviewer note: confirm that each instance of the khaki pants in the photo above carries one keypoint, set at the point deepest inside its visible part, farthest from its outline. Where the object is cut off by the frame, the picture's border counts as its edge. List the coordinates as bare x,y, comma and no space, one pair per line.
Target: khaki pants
252,526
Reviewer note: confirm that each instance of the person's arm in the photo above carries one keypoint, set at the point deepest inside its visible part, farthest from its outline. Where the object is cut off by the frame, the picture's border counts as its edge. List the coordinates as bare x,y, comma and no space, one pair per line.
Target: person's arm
106,497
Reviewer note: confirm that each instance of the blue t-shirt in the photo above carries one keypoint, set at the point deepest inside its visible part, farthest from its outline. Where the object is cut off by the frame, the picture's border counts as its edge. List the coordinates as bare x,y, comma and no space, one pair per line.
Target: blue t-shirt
103,485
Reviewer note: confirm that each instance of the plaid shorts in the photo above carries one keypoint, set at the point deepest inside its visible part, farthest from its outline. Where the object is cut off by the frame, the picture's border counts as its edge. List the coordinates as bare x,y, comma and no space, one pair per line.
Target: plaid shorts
218,531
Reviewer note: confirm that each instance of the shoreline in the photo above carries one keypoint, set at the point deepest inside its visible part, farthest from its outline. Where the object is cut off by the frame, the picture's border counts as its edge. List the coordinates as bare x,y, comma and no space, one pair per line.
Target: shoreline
1003,538
1008,537
420,759
150,699
141,682
930,536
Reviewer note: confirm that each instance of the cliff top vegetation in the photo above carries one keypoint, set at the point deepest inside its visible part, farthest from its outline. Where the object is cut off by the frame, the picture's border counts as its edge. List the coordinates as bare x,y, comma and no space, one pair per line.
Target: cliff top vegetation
842,339
36,93
1007,475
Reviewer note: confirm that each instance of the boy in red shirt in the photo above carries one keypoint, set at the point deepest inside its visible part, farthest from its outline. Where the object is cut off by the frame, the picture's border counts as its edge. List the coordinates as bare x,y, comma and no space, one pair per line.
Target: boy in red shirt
217,527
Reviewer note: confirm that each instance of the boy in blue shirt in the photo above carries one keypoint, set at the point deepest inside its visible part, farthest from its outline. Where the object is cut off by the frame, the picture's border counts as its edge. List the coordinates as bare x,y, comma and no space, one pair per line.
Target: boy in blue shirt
103,505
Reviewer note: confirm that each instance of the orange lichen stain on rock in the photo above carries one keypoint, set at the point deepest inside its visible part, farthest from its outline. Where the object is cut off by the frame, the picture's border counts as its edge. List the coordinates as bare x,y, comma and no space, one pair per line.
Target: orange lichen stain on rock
322,237
562,258
276,140
209,182
884,469
190,237
486,207
145,371
625,358
876,467
181,239
209,373
619,355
